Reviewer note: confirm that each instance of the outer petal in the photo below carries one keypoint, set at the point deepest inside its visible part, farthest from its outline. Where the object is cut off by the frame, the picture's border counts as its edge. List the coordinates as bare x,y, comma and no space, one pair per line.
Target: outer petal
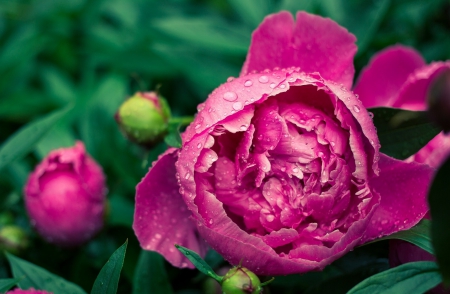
435,152
413,94
403,188
161,218
314,43
380,82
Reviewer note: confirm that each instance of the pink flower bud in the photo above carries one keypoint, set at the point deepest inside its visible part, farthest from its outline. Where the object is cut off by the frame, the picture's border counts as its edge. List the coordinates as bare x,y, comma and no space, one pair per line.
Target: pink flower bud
65,197
29,291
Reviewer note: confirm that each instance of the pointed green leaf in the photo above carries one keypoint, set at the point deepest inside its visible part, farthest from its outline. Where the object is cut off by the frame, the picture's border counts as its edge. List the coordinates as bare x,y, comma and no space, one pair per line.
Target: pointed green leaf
39,278
413,277
6,284
26,138
199,263
419,235
439,208
107,280
150,275
402,132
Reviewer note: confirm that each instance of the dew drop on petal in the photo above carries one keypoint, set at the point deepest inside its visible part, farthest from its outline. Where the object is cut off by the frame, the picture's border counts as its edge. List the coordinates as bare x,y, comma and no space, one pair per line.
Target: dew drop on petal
248,83
263,79
230,96
272,85
244,128
282,86
197,126
187,175
332,143
356,108
230,79
158,236
270,218
295,170
199,145
238,105
371,115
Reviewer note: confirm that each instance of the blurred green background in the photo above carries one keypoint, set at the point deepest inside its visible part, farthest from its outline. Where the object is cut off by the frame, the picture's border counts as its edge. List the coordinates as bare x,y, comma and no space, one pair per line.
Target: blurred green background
95,53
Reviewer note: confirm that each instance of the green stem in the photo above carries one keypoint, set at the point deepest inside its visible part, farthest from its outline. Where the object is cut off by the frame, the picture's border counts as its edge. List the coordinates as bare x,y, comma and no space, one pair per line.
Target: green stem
183,121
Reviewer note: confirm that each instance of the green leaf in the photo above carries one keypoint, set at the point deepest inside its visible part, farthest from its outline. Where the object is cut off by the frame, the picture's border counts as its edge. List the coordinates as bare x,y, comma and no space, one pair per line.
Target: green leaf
199,263
251,12
439,209
208,33
107,280
413,277
173,137
39,278
25,139
419,235
150,275
6,284
402,132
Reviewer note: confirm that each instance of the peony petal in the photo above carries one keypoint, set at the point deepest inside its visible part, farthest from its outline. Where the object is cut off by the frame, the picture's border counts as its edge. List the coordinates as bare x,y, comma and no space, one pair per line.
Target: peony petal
380,82
413,94
161,218
314,43
403,188
434,153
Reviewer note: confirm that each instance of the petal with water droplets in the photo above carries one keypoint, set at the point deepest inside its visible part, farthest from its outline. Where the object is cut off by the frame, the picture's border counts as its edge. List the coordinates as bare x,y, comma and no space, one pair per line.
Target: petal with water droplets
161,218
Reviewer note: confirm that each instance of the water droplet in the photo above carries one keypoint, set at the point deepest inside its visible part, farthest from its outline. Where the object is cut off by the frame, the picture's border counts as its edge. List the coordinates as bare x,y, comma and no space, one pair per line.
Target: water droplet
230,96
197,126
230,79
343,89
158,236
295,170
385,221
199,145
238,105
270,218
272,85
332,143
283,169
263,79
356,108
282,86
371,115
244,128
187,176
248,83
211,221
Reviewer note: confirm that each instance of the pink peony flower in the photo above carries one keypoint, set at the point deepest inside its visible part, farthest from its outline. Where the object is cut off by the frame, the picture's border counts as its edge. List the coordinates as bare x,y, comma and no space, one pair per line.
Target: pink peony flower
403,80
65,196
29,291
280,168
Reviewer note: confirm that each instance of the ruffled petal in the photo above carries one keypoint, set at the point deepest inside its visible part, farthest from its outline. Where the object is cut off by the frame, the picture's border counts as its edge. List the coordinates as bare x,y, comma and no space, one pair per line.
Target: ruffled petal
380,82
314,43
161,218
434,153
413,94
403,188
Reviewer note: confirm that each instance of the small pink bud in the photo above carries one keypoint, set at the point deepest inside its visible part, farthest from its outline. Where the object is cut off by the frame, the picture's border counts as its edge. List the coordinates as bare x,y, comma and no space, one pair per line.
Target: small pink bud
65,197
29,291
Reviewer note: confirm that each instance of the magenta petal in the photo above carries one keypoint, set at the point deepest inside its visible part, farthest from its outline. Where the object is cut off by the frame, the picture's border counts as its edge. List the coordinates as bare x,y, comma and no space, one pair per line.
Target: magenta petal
314,43
403,188
413,94
161,218
380,82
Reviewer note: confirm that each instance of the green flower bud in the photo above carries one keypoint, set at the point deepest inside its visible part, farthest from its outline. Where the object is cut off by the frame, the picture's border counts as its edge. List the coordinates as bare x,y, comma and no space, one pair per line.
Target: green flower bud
13,239
240,280
144,118
439,100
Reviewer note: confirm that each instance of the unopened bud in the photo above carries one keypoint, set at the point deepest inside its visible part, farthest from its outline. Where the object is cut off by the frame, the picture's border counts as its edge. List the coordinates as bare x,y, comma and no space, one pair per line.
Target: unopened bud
144,118
65,197
439,100
13,239
240,280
